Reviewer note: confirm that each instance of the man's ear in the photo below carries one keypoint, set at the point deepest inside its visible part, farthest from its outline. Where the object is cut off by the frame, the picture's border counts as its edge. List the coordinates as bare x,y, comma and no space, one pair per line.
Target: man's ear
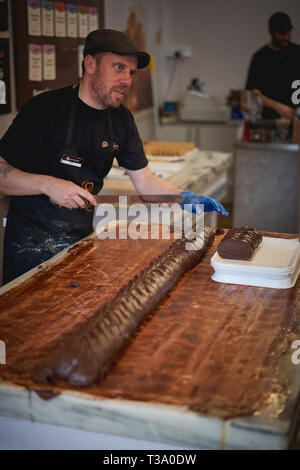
89,64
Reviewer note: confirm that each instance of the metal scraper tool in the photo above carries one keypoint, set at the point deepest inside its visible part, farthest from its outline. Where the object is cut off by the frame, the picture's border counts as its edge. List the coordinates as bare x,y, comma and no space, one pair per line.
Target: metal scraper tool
140,199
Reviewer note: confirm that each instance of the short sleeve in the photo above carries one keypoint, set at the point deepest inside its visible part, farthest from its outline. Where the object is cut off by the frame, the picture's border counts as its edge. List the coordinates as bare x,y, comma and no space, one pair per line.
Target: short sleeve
24,137
132,155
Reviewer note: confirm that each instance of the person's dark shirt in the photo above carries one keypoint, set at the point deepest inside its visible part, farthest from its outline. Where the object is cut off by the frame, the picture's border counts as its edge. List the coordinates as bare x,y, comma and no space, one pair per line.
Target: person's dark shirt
40,128
272,72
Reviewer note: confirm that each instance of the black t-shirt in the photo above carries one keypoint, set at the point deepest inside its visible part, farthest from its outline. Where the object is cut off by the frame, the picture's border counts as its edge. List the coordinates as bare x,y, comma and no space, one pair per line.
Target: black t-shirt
36,229
39,131
272,72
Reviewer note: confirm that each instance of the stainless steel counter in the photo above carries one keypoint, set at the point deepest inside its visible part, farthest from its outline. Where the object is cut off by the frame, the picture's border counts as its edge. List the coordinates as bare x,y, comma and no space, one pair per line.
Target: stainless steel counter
267,147
266,185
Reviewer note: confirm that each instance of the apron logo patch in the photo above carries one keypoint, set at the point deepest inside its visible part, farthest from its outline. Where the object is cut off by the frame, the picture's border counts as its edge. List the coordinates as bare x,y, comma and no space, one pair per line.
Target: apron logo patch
88,185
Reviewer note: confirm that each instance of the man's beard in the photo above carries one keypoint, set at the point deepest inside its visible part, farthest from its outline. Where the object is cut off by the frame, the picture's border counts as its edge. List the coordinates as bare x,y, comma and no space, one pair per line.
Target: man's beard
279,43
105,98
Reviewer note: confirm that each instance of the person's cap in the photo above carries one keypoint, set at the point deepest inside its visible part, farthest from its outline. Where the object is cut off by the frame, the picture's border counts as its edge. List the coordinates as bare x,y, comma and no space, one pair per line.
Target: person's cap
280,22
110,40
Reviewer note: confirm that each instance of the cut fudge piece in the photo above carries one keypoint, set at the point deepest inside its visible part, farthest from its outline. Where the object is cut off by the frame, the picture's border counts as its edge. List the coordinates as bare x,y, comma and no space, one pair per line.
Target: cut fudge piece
239,243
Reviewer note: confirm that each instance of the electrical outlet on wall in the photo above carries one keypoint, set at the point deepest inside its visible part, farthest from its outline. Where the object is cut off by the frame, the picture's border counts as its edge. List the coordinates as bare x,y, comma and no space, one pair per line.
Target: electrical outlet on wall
179,52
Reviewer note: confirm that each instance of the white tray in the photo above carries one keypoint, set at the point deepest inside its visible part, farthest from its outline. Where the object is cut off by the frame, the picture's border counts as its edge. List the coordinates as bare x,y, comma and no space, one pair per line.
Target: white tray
276,264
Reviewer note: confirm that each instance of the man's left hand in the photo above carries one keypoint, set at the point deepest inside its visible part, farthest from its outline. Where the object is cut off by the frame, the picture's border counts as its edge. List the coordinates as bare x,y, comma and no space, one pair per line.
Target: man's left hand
209,203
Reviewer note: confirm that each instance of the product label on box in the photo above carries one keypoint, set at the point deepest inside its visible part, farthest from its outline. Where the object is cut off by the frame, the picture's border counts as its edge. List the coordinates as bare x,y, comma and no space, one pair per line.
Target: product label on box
93,18
83,21
72,20
49,62
47,18
60,19
35,62
34,17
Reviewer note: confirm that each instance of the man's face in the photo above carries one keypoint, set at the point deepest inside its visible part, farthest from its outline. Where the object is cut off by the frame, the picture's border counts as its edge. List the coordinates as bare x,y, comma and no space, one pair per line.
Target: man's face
281,40
112,78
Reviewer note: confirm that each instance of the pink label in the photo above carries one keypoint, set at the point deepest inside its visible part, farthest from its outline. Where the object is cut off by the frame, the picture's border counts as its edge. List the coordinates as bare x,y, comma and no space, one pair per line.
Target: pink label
92,11
49,49
35,48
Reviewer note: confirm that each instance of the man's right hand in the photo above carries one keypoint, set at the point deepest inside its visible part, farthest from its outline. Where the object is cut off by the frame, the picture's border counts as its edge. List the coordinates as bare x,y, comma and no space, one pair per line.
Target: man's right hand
66,194
283,110
15,182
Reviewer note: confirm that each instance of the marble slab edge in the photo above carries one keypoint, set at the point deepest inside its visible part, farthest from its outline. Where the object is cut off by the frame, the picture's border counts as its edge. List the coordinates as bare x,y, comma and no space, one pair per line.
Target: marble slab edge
175,425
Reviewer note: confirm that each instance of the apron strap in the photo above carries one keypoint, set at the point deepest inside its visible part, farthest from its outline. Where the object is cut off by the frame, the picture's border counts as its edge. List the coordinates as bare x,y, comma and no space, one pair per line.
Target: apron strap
72,118
111,136
71,123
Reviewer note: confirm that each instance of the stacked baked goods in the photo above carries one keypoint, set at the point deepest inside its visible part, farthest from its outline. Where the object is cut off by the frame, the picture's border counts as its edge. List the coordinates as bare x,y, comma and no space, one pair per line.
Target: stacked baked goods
161,148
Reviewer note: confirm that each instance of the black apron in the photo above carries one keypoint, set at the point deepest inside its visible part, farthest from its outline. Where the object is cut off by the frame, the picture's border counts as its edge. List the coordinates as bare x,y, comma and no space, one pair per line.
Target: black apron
37,229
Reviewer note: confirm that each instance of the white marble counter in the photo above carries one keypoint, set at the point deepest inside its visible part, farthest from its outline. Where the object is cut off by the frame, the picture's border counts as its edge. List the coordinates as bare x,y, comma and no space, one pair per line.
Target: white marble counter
199,172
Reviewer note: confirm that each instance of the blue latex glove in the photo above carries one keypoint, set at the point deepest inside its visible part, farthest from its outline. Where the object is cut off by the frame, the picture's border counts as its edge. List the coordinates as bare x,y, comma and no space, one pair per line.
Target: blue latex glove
209,204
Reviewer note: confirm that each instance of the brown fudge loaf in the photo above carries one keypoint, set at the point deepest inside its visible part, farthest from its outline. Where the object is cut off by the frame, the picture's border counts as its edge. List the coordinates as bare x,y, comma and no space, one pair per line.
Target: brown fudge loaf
82,355
239,243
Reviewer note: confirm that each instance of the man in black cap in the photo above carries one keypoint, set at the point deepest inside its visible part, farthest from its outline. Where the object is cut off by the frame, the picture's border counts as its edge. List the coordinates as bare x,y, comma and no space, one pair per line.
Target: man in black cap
273,69
62,144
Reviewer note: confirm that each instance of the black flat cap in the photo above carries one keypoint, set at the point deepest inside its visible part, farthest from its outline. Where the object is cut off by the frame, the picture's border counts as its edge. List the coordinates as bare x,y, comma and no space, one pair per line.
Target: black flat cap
280,22
110,40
